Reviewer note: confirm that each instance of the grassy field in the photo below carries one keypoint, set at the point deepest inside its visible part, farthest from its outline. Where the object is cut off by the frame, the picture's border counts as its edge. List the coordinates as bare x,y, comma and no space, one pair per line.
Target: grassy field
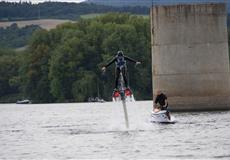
93,15
44,23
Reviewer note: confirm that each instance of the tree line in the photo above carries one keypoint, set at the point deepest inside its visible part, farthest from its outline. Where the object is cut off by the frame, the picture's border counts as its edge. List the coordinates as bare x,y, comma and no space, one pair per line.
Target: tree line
64,64
61,10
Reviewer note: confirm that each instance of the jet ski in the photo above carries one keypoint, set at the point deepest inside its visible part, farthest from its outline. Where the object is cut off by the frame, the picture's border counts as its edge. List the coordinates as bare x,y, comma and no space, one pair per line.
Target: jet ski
161,117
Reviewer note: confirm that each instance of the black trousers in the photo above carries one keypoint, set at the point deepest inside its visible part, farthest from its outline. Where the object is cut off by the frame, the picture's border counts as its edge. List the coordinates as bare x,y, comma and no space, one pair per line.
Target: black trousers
123,70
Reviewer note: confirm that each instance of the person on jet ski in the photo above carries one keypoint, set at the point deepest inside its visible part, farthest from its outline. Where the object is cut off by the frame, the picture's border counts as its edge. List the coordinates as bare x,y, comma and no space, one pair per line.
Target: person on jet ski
161,102
120,61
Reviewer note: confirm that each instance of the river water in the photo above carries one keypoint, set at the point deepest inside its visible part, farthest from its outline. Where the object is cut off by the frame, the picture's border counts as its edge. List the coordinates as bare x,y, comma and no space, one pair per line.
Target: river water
97,131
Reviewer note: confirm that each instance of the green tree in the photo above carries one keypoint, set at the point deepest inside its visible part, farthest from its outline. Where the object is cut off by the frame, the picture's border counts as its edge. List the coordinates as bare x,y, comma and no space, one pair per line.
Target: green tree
37,82
9,79
84,86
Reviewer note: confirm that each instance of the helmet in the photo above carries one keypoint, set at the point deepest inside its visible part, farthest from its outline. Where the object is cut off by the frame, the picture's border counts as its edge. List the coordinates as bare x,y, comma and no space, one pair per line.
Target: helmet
120,53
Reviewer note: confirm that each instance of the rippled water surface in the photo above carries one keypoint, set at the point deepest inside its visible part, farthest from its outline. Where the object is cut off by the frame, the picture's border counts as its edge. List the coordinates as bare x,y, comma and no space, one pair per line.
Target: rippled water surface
97,131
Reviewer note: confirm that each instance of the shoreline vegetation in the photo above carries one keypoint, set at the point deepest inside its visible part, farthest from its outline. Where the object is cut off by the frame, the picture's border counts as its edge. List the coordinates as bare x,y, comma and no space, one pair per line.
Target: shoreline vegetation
64,64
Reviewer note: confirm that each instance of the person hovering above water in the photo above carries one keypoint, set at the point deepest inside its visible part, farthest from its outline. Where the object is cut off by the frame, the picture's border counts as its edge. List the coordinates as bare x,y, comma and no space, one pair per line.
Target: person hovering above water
120,61
161,103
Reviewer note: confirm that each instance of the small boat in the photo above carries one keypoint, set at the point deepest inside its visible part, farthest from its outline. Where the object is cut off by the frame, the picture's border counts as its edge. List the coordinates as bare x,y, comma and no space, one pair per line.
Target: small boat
161,117
96,99
25,101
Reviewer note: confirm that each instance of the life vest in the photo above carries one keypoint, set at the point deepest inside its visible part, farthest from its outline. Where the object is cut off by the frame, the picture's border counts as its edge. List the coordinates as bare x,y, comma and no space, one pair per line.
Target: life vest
120,62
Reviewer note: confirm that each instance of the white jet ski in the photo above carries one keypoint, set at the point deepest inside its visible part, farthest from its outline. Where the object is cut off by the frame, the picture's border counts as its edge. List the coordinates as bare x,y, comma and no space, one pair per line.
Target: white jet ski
161,117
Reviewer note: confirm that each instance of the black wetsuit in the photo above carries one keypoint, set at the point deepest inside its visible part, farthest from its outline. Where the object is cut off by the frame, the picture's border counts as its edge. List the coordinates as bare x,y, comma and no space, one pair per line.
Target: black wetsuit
161,100
120,62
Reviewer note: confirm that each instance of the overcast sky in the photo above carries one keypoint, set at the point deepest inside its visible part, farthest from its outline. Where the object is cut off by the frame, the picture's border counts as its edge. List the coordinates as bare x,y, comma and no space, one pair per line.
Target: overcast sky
39,1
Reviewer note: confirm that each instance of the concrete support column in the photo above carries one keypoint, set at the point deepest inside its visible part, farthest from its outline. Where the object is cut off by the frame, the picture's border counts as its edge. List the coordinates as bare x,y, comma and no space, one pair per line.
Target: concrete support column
190,59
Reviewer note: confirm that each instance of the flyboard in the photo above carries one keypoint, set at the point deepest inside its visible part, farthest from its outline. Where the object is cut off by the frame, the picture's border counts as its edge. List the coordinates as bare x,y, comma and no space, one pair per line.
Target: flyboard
125,94
161,117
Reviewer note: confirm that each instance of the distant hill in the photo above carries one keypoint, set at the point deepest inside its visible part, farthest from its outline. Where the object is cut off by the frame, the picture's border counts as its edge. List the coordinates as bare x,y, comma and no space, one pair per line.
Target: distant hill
11,11
148,3
59,10
122,2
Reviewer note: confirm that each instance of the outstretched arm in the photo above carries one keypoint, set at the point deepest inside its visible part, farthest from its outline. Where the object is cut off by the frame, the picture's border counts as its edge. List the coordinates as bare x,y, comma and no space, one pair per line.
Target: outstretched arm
107,65
131,60
112,61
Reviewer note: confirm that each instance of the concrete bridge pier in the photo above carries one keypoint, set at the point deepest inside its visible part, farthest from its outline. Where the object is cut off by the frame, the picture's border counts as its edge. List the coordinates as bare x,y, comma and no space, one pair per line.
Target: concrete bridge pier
190,57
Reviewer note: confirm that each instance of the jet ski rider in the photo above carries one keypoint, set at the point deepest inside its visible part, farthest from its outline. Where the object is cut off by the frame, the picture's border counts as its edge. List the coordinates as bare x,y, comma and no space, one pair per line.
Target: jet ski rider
161,103
120,61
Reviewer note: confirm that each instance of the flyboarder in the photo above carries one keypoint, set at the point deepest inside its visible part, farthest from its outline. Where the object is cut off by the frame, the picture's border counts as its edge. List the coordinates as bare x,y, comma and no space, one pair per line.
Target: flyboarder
120,61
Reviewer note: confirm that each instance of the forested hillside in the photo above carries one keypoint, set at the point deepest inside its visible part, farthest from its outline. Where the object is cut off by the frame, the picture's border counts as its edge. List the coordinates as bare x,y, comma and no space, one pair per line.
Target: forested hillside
14,37
122,2
148,3
64,64
58,10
